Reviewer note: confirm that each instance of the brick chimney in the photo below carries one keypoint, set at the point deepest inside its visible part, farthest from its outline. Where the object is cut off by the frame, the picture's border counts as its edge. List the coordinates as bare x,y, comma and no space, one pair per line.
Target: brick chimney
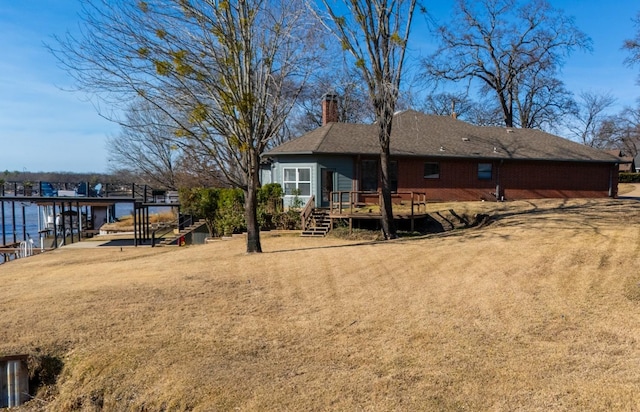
329,108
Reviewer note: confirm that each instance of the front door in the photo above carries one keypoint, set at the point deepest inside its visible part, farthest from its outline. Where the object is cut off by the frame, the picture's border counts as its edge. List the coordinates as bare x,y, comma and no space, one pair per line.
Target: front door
326,183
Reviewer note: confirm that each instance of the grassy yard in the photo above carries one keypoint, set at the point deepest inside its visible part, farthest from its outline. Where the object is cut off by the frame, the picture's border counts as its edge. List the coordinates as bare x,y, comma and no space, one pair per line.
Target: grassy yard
537,311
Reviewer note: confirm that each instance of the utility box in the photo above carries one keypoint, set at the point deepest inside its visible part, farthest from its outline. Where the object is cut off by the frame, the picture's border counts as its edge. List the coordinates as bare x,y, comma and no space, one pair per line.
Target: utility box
14,381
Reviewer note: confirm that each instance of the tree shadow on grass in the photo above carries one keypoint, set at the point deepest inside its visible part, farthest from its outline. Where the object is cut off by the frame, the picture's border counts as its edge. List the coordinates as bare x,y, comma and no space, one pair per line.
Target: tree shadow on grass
565,214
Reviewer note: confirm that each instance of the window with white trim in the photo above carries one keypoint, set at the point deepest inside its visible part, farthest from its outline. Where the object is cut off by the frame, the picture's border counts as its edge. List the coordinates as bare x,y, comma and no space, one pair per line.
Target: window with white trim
297,180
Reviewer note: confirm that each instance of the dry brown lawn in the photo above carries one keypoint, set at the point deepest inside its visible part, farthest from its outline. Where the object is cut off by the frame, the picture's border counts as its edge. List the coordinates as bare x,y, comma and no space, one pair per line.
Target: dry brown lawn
125,223
537,311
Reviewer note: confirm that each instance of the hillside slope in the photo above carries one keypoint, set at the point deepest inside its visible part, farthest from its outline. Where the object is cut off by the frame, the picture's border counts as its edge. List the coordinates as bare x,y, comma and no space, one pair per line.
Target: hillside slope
537,311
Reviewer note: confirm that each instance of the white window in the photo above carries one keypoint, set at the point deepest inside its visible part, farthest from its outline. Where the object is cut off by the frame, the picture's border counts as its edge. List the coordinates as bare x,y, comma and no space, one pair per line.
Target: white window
297,180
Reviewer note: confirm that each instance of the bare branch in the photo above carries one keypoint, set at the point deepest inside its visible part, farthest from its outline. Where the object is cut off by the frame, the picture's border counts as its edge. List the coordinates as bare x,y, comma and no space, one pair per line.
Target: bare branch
226,72
505,44
375,33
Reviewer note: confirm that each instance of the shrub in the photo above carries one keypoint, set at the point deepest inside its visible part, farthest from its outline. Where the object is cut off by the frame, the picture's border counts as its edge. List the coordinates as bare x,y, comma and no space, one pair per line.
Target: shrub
229,216
269,205
629,178
223,209
201,203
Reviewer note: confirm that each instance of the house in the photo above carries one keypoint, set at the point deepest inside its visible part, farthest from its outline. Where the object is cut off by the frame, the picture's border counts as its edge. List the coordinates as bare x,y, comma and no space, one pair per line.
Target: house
627,163
444,158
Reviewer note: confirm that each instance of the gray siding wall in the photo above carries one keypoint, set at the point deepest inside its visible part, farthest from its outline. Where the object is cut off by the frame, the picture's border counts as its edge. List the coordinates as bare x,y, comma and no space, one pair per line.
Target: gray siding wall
277,174
265,175
342,166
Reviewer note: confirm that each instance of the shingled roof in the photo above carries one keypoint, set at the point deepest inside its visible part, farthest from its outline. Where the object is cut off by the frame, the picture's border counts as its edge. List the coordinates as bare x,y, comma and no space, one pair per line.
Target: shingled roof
422,135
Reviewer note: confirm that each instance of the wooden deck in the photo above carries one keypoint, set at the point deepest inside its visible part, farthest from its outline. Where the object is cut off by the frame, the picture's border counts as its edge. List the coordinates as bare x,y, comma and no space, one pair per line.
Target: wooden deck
367,205
353,206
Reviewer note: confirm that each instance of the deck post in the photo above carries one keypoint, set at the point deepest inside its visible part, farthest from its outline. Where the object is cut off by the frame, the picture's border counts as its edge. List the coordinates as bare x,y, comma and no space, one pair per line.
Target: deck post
147,234
79,209
24,223
4,235
135,226
13,220
64,224
55,226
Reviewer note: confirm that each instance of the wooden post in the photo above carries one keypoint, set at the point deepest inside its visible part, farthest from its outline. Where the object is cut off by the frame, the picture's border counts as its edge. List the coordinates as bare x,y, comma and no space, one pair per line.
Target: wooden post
24,223
13,220
135,225
55,226
4,231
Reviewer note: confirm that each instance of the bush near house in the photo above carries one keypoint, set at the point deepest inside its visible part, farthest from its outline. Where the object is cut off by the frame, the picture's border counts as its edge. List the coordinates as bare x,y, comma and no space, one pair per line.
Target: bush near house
223,209
271,212
629,178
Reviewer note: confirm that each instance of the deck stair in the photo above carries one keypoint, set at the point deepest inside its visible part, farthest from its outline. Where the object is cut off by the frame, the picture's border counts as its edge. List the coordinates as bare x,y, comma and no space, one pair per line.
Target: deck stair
173,239
318,224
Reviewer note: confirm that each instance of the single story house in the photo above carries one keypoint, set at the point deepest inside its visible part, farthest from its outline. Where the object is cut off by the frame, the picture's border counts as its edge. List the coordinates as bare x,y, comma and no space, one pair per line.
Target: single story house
627,163
441,156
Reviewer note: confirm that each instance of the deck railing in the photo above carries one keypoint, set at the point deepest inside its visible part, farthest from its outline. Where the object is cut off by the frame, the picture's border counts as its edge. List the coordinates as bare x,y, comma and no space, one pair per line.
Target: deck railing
141,192
348,202
306,212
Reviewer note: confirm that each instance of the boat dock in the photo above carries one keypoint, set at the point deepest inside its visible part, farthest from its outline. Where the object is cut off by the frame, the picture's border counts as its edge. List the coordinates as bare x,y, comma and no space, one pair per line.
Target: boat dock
67,213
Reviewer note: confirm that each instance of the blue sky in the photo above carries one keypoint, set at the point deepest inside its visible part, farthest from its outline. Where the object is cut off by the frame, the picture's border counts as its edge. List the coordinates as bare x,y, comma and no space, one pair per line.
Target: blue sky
44,127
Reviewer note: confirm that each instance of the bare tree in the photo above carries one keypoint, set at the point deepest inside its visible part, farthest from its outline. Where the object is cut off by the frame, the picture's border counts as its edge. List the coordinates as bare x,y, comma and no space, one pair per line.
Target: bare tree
633,46
231,68
446,104
505,45
620,131
145,146
354,104
628,131
485,112
590,125
542,101
375,33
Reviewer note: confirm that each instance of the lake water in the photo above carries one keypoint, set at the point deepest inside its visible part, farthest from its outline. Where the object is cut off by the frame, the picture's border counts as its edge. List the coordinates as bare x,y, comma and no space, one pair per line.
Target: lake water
29,227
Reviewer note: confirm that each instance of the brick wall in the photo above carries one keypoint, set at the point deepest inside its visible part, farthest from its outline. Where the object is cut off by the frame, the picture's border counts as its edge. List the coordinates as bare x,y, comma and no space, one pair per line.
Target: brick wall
459,180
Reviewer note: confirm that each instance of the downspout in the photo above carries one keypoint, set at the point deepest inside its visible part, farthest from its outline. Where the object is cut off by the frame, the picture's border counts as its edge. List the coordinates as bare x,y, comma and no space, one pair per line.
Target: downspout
611,172
499,196
356,182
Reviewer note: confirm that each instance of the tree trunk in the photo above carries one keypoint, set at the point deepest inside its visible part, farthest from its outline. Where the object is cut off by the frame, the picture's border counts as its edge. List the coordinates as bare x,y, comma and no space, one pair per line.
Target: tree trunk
506,103
386,208
250,213
385,122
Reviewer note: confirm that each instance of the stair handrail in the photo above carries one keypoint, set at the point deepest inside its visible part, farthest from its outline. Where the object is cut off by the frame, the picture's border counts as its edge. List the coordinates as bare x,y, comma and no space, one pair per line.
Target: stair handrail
306,212
170,226
185,222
